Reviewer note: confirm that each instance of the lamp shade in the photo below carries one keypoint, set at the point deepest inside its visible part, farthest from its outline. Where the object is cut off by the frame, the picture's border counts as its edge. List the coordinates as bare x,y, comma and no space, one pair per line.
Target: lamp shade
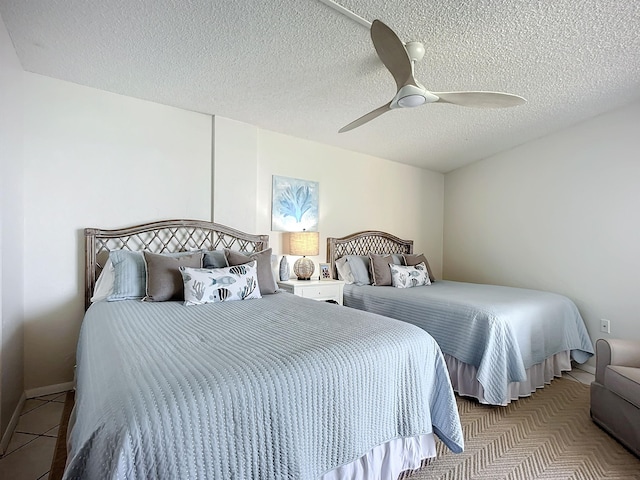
304,243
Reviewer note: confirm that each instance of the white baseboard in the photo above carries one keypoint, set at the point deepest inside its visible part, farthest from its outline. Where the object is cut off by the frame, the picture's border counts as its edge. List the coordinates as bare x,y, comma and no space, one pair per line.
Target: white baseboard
586,368
49,389
6,438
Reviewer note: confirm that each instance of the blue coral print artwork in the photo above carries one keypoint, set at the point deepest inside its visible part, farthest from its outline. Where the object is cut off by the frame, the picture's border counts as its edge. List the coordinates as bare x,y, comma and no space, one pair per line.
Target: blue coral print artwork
295,205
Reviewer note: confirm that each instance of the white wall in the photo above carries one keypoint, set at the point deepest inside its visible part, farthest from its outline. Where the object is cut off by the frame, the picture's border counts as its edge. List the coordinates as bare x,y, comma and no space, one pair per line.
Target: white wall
558,214
235,174
357,192
11,232
95,159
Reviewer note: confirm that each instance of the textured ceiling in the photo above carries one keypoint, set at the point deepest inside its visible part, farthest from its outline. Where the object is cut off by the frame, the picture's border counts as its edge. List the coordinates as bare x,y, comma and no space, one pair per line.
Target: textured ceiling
299,67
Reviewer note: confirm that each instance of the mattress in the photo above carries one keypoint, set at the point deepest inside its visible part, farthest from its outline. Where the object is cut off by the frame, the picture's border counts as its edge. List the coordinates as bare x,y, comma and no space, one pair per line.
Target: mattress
272,388
501,331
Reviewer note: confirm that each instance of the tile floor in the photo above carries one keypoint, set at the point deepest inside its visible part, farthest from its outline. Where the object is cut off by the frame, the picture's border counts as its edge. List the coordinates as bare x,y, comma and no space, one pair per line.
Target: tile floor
580,376
31,448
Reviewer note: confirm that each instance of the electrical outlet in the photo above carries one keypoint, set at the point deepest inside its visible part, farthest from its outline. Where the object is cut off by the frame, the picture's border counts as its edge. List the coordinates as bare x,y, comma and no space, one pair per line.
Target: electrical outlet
605,326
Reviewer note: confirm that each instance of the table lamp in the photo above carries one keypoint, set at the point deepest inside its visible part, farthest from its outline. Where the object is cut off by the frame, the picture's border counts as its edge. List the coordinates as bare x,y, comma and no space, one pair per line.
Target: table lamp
303,243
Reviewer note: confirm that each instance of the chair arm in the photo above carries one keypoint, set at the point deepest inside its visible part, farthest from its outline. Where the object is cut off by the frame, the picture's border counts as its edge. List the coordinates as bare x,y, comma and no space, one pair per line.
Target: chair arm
616,352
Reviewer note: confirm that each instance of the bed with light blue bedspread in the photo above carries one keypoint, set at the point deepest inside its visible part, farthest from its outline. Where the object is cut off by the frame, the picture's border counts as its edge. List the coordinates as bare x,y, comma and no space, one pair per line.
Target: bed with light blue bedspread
273,388
502,331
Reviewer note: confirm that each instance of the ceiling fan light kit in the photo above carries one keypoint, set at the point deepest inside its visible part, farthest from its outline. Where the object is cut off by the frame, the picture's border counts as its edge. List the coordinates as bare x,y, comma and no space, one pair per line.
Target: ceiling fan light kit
412,96
400,59
410,101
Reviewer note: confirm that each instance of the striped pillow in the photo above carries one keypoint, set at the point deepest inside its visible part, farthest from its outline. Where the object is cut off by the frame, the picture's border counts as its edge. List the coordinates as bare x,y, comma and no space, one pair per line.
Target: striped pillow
130,274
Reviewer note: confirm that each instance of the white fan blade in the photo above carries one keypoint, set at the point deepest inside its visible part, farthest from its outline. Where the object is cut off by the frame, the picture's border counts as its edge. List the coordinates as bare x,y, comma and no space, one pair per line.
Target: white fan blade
480,99
392,52
365,118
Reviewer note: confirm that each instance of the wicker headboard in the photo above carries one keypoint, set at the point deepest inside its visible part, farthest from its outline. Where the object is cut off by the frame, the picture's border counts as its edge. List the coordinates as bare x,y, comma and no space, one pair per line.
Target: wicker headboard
363,243
159,237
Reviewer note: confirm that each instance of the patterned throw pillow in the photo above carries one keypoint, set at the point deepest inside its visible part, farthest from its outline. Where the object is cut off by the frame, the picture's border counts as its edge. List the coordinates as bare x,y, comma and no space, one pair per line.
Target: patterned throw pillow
407,277
210,285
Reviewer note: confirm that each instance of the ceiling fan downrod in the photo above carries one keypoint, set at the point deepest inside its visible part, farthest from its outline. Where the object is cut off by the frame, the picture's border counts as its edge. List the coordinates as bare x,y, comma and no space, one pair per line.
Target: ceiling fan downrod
347,13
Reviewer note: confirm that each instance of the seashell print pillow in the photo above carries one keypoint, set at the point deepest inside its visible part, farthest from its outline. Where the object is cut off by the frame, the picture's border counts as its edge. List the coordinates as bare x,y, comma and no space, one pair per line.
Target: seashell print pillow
210,285
407,277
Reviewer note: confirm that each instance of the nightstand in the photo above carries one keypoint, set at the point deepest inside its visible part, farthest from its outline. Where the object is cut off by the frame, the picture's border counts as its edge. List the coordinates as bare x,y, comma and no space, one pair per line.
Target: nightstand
321,290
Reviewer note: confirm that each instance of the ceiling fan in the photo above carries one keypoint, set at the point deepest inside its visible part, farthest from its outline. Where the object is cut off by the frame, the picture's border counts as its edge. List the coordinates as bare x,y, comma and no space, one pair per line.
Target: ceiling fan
400,59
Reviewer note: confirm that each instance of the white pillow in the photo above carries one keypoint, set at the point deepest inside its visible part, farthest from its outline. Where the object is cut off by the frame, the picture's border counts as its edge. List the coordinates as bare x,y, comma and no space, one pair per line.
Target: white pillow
344,271
104,284
211,285
407,277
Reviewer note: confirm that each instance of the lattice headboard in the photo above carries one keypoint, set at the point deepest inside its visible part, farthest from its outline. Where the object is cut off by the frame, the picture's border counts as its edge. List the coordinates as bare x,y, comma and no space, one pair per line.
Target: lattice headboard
159,237
363,243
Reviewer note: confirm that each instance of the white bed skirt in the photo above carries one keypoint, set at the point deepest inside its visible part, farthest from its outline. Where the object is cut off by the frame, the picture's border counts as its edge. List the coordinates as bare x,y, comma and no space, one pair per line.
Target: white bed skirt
464,381
383,462
387,461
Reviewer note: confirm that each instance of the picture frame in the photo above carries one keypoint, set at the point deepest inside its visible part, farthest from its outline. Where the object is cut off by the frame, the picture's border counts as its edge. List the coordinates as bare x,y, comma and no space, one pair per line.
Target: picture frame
294,204
325,271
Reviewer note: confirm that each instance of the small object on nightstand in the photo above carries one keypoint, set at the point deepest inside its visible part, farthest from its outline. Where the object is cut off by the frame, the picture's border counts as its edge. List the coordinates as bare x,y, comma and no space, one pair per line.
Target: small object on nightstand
284,268
321,290
325,271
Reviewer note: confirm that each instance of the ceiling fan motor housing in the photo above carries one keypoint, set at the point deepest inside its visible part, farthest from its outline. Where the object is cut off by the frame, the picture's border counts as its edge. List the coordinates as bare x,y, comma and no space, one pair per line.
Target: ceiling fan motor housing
412,96
415,50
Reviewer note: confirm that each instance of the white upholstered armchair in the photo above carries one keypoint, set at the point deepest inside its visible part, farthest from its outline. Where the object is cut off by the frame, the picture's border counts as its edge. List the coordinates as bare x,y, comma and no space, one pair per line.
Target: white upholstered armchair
615,394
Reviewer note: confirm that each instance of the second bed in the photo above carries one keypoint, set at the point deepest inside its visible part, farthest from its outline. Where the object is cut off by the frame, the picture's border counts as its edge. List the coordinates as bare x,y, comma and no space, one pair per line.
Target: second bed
500,343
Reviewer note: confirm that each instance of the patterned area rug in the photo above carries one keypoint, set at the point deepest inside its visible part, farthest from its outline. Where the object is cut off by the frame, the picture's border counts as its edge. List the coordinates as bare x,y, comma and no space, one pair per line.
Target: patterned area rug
549,435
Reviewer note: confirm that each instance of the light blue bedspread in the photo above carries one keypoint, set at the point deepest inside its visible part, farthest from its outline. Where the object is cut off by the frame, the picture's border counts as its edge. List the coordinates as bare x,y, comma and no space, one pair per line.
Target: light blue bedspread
275,388
502,331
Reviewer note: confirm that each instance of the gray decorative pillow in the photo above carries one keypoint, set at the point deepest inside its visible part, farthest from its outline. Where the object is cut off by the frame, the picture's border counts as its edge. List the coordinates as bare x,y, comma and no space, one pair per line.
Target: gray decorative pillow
214,259
164,281
398,259
359,265
344,271
211,285
416,259
380,273
265,274
408,277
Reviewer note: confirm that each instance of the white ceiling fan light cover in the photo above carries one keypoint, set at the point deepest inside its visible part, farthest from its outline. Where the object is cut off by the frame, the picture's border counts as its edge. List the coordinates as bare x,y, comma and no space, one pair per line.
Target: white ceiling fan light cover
411,101
411,96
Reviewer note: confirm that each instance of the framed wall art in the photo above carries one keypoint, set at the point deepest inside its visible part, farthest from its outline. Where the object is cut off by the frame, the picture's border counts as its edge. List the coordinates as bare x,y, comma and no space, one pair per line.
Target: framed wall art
294,205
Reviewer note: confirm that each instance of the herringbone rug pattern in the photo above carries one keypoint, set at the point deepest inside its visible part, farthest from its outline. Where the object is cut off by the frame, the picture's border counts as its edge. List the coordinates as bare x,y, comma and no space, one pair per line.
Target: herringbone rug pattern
549,435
